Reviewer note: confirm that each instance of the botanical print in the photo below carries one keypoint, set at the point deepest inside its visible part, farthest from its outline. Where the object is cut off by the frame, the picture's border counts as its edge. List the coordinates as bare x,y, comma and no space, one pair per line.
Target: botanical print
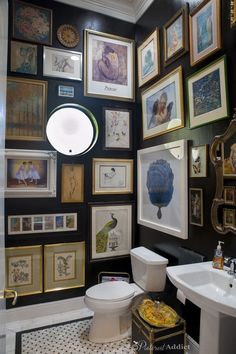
59,222
38,223
15,224
19,271
23,58
196,206
207,93
70,221
147,59
204,22
161,106
22,173
112,176
48,222
109,62
26,224
72,183
174,37
198,161
64,265
32,23
63,63
117,129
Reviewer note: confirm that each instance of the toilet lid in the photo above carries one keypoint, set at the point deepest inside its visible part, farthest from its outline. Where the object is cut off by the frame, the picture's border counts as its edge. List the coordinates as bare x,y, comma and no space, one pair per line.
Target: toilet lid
111,291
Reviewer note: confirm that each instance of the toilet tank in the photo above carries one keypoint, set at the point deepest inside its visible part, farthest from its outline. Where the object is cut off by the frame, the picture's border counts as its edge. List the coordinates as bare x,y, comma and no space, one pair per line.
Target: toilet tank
148,268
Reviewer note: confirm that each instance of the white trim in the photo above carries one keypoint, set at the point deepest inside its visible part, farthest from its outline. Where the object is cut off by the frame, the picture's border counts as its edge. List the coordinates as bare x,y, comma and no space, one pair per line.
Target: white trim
192,345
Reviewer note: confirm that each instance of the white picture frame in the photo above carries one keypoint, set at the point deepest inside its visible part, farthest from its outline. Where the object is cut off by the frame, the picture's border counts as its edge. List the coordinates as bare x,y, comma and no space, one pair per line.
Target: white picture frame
158,210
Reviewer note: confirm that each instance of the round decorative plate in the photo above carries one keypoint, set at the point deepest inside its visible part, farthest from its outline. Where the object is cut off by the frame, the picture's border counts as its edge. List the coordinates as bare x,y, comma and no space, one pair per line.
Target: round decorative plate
68,36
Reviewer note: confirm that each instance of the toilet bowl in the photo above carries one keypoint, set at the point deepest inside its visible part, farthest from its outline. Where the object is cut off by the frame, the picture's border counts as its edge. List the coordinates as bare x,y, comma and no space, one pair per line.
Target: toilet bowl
111,301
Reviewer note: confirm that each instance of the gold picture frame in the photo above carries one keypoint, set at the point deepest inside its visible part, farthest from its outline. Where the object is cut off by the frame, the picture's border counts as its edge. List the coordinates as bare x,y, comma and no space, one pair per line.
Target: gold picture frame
24,269
233,13
112,176
64,266
26,109
149,58
72,183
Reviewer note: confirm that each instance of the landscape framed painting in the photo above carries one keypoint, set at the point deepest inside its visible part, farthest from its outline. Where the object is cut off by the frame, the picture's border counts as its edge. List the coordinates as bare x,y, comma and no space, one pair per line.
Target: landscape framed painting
162,105
204,30
108,66
149,58
162,188
208,94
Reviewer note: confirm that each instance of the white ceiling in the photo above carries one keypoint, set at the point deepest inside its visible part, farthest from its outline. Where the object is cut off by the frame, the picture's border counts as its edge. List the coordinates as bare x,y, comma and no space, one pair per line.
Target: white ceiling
127,10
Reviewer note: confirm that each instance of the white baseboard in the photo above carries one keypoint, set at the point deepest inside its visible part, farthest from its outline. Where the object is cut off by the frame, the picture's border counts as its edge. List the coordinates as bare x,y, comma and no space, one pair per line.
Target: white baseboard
192,345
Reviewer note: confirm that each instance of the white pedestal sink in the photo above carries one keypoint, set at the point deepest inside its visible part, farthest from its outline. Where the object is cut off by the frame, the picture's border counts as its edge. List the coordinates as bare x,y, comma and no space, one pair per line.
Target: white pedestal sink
214,291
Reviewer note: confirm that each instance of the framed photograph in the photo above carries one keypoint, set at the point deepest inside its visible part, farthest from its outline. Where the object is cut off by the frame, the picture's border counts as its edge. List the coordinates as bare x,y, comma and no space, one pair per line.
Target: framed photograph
204,30
30,173
32,224
112,176
195,206
232,13
207,94
66,91
24,269
32,23
109,66
111,230
72,183
117,128
162,188
26,109
162,105
24,58
229,195
62,63
229,217
198,161
149,58
175,35
64,266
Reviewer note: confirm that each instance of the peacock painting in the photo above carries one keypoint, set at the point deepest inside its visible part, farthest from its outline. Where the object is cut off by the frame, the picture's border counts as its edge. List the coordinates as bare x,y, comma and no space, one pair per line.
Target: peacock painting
102,235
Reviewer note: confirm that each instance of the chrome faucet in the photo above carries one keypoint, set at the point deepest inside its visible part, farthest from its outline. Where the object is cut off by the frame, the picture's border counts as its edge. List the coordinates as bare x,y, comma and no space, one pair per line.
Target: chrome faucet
232,270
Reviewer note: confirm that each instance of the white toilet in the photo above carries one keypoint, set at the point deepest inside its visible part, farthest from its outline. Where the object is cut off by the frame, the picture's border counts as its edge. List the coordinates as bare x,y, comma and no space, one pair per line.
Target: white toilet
111,301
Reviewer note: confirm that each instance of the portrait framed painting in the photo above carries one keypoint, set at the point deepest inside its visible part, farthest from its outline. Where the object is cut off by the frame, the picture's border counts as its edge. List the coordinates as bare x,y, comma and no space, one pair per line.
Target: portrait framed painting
24,58
162,105
108,66
112,176
162,188
207,94
64,266
111,230
26,109
117,128
149,58
72,183
32,23
198,161
24,269
62,63
30,173
196,206
204,30
175,35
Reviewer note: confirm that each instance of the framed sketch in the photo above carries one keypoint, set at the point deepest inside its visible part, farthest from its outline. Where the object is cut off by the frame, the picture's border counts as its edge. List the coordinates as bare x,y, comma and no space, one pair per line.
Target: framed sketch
40,223
72,183
229,195
112,176
64,266
24,58
111,230
32,23
204,30
109,66
175,35
162,105
196,206
24,269
66,91
162,188
30,173
207,94
149,58
62,63
232,13
229,217
198,161
26,109
117,128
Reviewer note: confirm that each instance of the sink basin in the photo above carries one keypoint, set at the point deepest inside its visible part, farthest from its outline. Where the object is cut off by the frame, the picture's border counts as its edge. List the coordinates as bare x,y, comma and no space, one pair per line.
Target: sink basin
208,288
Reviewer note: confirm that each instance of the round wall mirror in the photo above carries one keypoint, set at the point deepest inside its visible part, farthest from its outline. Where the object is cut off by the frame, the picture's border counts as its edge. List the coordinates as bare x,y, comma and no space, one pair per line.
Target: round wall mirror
72,129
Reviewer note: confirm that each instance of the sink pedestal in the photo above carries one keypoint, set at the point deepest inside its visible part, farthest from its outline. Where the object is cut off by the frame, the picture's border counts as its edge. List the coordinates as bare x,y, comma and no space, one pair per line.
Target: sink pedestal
217,333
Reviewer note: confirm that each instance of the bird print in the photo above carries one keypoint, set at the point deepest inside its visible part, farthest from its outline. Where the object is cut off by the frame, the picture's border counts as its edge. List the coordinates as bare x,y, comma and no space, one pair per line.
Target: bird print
102,235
